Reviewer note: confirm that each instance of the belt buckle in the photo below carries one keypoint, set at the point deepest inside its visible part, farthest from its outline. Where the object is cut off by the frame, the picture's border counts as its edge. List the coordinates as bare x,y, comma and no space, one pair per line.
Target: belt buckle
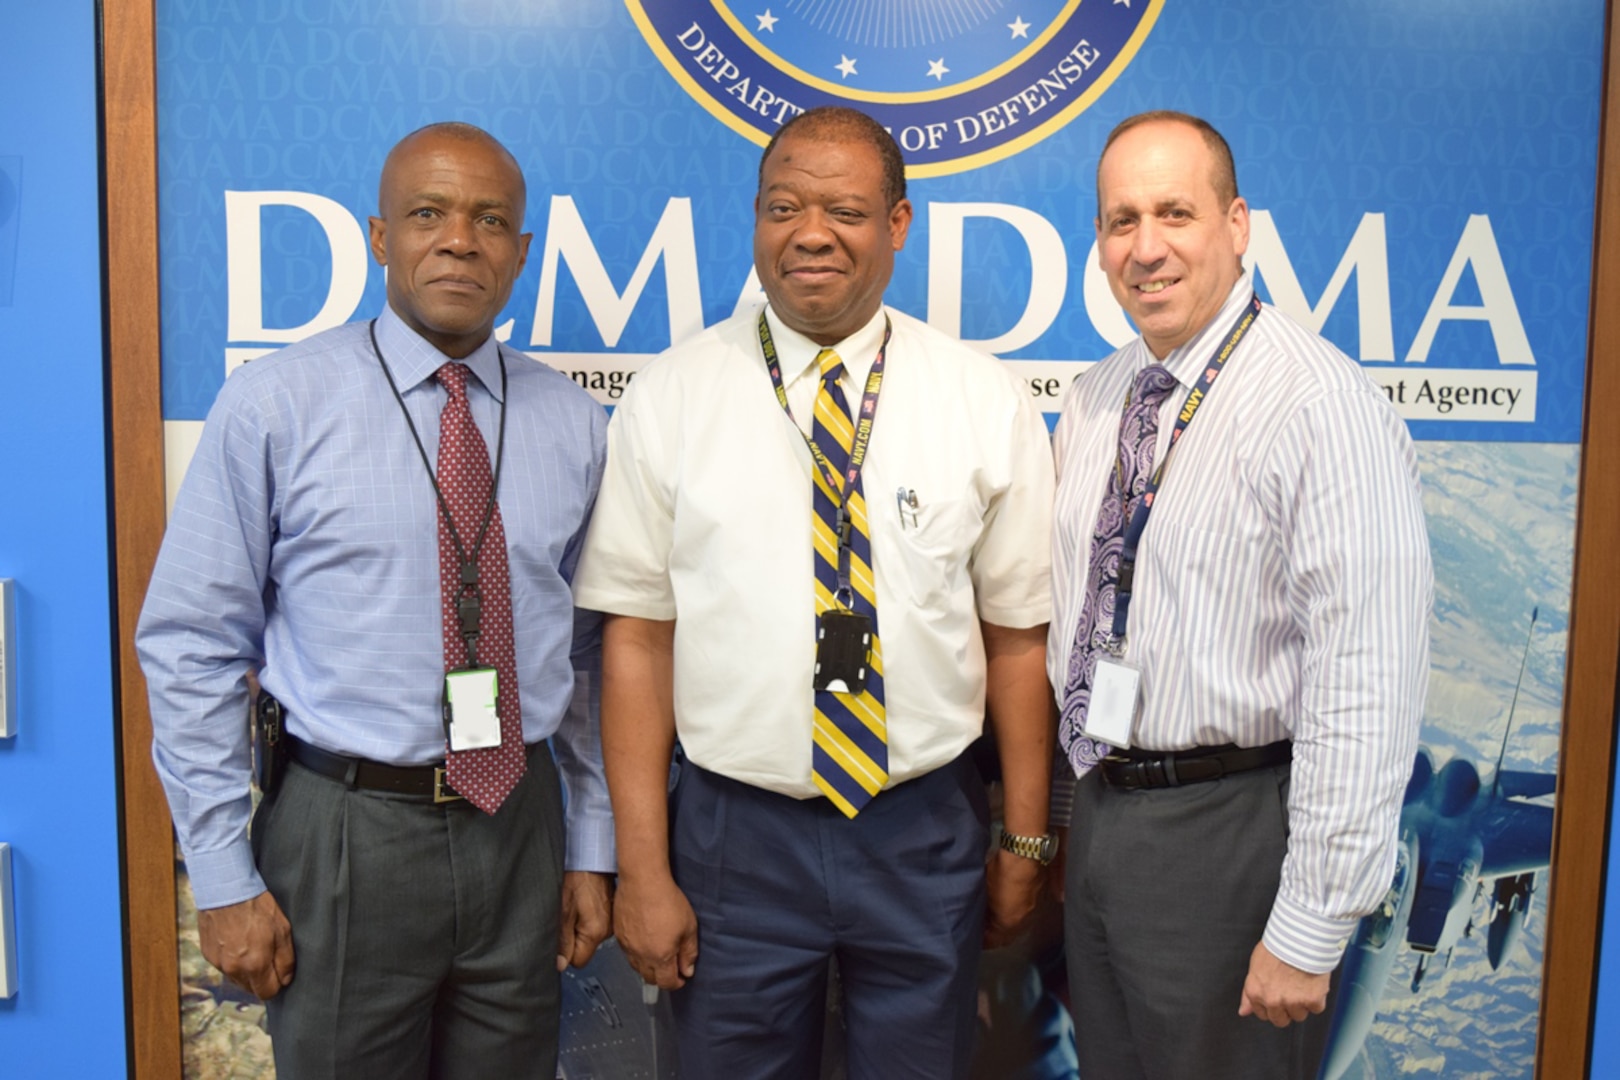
442,791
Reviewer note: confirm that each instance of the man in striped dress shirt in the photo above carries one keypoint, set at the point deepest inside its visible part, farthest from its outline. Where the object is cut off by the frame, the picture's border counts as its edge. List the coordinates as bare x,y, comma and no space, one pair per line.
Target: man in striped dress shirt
1243,730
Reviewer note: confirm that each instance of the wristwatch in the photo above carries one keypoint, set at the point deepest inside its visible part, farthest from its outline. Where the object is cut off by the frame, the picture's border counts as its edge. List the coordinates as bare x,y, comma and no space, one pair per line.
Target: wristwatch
1040,848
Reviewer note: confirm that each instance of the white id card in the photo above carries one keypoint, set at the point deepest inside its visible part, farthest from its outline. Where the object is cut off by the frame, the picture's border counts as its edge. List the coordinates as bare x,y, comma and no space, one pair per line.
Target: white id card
1115,691
474,723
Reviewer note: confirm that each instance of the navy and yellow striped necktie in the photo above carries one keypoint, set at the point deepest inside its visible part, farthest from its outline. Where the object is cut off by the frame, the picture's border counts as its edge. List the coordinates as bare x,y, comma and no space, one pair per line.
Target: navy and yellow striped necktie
850,760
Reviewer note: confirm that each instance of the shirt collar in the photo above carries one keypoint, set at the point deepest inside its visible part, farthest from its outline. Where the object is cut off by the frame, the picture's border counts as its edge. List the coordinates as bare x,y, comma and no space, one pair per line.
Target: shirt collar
412,358
798,353
1186,362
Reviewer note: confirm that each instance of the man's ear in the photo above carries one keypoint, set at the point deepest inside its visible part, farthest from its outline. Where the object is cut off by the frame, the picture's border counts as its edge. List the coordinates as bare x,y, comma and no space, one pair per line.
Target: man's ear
379,234
523,252
1237,220
899,223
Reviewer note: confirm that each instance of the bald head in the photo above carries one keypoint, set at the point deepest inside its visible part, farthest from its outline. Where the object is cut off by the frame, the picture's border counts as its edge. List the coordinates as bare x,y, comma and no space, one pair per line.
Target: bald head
1223,173
451,131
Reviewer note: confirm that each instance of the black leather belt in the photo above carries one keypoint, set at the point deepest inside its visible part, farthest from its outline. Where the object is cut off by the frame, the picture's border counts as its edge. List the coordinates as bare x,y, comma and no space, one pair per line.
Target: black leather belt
1136,769
427,781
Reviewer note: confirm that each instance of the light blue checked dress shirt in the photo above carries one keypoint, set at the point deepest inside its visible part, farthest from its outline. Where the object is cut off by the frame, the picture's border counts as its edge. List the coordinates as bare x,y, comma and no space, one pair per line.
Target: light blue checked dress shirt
304,545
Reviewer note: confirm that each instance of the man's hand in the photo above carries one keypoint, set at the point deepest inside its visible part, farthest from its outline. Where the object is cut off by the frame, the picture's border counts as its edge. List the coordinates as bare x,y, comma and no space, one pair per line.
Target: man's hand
1280,992
251,942
657,930
586,919
1013,884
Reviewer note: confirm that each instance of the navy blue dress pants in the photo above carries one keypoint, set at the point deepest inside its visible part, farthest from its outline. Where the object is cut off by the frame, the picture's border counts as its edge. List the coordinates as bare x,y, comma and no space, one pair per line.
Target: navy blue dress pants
781,886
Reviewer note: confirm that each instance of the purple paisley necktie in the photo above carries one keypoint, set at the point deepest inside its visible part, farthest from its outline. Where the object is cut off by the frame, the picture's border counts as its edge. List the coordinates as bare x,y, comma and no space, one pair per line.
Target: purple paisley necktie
1138,431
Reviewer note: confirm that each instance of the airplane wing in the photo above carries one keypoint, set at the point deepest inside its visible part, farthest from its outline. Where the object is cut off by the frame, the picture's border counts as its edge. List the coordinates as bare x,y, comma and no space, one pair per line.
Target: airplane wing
1515,837
1526,785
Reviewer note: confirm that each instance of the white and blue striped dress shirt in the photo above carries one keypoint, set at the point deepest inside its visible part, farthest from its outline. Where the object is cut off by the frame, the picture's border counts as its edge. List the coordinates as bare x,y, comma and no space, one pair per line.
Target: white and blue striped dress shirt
304,544
1283,591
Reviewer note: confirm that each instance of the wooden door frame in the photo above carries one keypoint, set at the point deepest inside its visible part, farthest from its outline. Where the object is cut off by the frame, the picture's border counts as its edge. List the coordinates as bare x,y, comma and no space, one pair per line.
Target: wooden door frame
1586,762
135,418
1586,757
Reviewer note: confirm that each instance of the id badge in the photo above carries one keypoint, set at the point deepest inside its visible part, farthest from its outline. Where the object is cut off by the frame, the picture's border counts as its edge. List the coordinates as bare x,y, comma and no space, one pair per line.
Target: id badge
470,697
1115,692
843,650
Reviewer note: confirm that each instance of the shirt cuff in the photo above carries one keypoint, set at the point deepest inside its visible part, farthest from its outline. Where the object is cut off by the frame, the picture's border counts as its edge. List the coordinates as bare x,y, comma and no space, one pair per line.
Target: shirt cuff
224,877
1016,616
590,845
654,609
1304,939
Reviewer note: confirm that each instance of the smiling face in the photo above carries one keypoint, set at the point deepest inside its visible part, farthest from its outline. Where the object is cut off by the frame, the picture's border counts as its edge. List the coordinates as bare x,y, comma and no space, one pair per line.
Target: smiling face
451,209
1169,243
824,236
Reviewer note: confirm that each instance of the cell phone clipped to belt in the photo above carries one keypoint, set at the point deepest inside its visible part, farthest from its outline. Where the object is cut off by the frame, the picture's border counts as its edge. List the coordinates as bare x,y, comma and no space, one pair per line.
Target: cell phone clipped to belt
269,744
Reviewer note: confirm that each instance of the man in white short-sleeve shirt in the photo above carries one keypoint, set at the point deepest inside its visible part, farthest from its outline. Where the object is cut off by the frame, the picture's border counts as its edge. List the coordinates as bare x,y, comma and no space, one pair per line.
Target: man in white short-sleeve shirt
736,890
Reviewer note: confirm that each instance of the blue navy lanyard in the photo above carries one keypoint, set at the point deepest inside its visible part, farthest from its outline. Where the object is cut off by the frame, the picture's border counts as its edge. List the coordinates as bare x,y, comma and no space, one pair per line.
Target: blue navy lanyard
857,453
1144,502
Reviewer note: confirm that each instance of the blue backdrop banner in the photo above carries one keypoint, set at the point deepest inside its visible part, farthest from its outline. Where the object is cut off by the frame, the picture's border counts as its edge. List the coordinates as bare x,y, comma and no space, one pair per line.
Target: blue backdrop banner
1421,179
1422,186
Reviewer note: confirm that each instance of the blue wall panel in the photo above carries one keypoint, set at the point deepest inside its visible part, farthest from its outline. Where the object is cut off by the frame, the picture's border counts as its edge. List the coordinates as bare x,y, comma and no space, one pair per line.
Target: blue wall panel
1606,1015
58,786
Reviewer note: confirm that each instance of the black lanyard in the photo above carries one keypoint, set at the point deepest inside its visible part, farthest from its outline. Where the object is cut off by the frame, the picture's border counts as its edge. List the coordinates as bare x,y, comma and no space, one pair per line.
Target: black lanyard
468,598
1144,502
857,453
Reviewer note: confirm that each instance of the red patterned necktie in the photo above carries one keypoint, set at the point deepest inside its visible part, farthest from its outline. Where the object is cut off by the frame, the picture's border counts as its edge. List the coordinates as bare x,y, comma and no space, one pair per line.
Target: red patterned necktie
485,776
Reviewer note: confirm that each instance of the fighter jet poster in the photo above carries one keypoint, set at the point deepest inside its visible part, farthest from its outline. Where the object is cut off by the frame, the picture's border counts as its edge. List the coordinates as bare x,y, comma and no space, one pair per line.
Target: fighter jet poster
1421,180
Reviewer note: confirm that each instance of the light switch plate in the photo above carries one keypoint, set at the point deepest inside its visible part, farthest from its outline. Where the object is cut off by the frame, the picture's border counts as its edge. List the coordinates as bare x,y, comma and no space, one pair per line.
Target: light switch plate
8,658
8,928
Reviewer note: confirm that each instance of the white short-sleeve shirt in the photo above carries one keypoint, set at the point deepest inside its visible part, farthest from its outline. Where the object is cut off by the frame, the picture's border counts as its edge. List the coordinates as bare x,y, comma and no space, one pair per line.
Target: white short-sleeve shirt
704,517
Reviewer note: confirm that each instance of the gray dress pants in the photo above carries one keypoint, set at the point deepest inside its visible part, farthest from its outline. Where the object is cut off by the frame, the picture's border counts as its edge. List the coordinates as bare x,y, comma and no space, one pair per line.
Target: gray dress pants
425,936
1167,893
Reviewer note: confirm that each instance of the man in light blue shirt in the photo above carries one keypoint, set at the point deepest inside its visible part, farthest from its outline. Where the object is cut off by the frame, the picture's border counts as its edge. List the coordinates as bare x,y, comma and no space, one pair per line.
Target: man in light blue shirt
305,545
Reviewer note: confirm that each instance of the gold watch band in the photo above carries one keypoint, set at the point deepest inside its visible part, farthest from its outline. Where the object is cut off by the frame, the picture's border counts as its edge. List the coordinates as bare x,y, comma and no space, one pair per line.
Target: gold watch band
1039,848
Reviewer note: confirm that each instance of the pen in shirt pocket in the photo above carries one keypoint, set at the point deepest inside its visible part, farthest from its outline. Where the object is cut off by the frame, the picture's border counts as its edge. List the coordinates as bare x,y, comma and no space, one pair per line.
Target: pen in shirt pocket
905,500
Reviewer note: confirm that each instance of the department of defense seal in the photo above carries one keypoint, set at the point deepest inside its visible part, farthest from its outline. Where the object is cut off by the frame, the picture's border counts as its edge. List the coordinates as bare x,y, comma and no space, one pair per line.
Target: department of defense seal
959,83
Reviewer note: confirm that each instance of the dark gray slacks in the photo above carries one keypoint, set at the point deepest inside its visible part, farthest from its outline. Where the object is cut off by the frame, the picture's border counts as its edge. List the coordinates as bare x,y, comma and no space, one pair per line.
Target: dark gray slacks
780,885
425,936
1168,892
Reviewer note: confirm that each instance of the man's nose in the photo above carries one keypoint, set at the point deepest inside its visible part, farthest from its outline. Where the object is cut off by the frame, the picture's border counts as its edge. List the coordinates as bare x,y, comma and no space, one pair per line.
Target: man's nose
814,231
458,235
1148,246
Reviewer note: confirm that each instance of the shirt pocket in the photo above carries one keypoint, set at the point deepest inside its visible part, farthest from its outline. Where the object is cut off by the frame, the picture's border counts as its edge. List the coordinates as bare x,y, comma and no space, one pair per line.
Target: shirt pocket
934,546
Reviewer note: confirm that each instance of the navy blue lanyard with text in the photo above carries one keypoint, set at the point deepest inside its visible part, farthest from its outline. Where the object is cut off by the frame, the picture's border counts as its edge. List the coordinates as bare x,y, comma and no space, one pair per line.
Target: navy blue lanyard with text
1144,502
857,454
